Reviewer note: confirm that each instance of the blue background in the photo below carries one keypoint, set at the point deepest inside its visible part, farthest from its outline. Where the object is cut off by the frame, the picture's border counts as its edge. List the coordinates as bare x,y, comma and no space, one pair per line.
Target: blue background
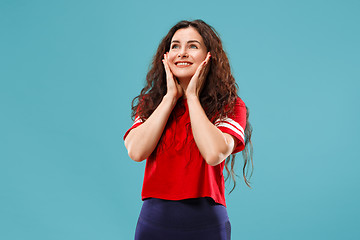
69,70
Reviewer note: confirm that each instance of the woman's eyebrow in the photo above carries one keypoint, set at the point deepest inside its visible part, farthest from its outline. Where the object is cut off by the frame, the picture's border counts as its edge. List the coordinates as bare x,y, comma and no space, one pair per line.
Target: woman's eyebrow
190,41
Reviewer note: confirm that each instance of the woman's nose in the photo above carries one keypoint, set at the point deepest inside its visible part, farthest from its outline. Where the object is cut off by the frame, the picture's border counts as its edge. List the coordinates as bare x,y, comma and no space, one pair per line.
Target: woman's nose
183,53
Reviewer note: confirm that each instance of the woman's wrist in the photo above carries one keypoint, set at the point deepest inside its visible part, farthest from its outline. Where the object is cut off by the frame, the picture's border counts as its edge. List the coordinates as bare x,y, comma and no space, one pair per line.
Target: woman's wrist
191,98
171,99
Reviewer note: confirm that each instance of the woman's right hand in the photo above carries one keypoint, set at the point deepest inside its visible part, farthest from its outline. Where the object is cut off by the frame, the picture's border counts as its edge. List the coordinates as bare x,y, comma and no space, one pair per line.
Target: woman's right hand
173,87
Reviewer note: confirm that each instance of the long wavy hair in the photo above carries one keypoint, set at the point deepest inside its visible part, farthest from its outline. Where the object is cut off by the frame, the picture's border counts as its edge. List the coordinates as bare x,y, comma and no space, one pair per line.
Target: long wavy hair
217,97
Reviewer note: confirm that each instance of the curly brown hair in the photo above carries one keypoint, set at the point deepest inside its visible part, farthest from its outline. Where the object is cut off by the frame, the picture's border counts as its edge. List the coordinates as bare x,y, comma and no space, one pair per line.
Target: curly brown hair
217,97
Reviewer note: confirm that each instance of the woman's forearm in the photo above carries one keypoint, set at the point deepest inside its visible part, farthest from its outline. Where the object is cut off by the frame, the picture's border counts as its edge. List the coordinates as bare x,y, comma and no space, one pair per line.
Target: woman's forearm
214,145
142,140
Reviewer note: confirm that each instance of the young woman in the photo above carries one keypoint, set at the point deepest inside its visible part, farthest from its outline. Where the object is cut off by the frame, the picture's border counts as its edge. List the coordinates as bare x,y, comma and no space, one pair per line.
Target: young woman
188,120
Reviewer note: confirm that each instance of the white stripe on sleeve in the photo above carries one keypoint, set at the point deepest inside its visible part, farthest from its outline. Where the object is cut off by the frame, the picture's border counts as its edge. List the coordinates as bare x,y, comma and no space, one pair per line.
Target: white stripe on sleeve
137,120
229,120
231,127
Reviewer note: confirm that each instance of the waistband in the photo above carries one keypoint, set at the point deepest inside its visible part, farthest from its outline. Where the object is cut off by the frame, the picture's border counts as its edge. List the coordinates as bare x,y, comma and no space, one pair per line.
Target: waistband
187,213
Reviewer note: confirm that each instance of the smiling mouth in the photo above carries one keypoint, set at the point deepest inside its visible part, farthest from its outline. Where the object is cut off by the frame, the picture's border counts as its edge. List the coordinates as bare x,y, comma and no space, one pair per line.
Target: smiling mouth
183,64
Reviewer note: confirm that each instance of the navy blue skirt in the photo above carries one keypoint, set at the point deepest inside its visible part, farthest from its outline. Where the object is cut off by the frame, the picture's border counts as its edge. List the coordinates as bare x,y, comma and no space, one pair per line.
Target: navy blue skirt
195,218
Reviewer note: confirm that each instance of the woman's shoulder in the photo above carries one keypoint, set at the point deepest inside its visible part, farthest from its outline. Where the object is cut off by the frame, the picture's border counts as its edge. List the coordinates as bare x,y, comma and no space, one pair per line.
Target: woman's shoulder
239,101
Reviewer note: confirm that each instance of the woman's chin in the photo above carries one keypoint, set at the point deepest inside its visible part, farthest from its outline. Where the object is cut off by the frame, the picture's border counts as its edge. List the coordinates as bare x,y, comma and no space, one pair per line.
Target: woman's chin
183,78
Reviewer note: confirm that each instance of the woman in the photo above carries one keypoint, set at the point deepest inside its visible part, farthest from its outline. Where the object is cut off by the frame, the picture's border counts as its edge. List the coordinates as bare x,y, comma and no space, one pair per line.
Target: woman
188,120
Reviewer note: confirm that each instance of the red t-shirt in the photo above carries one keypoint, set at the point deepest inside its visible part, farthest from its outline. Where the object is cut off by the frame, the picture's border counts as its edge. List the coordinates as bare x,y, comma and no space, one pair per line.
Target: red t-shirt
176,170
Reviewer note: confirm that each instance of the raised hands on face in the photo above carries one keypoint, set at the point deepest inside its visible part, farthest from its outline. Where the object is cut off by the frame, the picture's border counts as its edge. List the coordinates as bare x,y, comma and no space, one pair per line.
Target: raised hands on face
196,83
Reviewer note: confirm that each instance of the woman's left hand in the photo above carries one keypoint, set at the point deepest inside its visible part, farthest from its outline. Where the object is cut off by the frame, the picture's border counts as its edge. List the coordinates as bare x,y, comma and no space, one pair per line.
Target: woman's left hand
197,81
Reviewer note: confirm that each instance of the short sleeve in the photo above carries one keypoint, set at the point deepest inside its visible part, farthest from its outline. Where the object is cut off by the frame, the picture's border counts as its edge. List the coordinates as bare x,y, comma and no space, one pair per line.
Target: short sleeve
235,124
137,122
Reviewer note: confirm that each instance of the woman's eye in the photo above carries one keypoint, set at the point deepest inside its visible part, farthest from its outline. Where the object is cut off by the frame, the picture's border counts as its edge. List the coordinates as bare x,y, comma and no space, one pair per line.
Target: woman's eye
193,46
174,46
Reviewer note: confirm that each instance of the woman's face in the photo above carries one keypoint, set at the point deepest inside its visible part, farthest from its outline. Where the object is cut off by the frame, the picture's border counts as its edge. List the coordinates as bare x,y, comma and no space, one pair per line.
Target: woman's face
187,52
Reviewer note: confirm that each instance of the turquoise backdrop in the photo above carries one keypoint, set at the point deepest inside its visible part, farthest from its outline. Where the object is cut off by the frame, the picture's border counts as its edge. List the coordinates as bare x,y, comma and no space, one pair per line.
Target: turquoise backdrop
68,73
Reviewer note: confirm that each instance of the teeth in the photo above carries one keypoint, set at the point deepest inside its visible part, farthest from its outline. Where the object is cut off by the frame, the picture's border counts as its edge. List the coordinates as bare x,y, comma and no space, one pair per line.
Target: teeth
183,64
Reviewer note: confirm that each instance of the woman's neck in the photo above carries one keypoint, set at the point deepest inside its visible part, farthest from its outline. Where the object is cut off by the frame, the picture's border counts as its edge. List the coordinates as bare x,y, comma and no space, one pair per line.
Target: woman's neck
184,84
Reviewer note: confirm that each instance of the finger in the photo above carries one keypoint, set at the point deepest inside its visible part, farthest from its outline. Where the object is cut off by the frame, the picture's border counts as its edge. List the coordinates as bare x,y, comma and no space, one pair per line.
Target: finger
201,67
166,58
164,61
170,79
206,66
166,66
207,59
202,71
